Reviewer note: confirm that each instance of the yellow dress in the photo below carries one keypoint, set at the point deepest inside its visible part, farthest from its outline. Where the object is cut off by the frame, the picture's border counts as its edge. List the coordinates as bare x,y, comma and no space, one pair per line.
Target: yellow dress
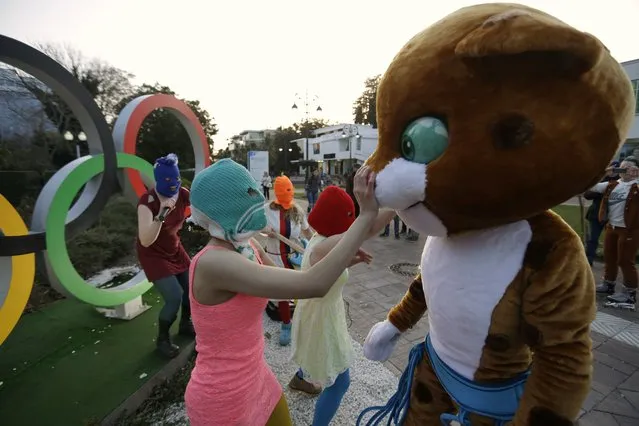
319,335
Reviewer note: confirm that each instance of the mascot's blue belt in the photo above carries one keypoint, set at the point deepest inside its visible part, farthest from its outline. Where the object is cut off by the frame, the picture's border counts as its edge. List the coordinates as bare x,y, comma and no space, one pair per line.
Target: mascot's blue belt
498,402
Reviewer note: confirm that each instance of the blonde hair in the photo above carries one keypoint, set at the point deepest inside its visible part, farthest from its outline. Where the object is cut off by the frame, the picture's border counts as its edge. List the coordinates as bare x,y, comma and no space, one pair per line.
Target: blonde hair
295,213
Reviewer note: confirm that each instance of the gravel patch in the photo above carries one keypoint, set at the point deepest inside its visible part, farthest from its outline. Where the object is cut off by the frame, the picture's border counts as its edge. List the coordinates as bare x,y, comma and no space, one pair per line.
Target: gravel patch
371,384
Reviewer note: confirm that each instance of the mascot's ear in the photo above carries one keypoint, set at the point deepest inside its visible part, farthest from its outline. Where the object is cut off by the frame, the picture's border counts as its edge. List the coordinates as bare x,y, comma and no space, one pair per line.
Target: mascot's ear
543,43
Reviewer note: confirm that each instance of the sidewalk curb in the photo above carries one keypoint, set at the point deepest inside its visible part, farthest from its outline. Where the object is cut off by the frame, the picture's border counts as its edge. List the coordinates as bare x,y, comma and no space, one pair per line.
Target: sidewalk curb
135,400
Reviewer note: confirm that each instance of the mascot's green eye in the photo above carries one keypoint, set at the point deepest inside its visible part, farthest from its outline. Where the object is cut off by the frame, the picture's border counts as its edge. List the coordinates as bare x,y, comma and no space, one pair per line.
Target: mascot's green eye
424,140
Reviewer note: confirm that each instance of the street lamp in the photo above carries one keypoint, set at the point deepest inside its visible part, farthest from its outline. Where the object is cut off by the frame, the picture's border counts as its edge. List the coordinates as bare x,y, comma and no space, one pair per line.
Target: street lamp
68,136
348,131
308,104
285,161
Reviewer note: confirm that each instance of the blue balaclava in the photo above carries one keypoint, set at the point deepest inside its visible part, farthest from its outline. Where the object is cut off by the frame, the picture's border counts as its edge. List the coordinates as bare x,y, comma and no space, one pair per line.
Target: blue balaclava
226,200
167,175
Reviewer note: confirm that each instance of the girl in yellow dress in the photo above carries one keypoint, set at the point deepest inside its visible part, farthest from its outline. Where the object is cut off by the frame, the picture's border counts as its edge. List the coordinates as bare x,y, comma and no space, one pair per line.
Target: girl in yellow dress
320,339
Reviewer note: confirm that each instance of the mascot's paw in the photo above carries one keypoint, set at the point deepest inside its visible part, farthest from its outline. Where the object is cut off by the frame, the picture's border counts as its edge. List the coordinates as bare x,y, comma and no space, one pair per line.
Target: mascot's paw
381,340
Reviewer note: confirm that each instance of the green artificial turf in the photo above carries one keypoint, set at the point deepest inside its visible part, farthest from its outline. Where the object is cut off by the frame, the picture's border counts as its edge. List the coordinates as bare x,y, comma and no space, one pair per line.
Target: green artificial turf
68,365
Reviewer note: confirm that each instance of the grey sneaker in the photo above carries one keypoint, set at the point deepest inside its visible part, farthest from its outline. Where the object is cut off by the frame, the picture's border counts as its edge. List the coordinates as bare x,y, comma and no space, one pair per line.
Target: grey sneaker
606,287
625,295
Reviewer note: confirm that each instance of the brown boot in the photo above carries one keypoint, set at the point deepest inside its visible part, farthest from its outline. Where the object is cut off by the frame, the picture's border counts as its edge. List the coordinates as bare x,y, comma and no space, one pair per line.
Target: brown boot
302,385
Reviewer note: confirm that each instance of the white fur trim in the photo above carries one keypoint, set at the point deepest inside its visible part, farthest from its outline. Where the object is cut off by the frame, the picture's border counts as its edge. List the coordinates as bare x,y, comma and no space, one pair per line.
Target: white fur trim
401,184
423,221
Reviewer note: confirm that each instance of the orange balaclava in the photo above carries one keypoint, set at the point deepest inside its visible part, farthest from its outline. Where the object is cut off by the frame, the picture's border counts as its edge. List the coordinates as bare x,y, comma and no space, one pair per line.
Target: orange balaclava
284,192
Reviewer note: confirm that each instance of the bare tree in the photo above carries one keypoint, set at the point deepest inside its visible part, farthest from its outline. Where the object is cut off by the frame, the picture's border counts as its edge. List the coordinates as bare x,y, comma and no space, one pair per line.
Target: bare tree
107,84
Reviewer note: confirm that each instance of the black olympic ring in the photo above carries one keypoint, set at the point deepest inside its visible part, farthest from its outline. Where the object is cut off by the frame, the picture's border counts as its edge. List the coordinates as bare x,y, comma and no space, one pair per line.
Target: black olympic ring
96,193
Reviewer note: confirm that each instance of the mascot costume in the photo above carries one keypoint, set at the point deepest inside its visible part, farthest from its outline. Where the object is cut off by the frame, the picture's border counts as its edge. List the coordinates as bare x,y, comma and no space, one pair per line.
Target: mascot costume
487,119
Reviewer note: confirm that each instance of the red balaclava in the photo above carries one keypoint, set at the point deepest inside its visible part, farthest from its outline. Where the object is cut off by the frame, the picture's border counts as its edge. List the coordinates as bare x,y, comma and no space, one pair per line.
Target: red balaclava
334,212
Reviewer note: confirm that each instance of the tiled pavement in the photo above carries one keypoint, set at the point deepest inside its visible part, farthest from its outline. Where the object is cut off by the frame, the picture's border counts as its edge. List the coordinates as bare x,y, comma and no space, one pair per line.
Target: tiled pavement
614,399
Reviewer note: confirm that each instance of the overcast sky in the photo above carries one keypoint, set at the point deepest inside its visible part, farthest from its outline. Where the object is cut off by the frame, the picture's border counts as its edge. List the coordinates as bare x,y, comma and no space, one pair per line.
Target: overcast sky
245,60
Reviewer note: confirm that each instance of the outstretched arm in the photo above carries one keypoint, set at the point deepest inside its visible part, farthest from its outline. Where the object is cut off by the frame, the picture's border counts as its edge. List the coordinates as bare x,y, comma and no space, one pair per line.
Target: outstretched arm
323,248
557,308
411,308
229,271
383,218
592,195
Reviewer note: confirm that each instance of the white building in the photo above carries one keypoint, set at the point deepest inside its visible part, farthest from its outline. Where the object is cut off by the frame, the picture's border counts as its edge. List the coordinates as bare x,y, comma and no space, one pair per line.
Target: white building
337,148
632,143
247,137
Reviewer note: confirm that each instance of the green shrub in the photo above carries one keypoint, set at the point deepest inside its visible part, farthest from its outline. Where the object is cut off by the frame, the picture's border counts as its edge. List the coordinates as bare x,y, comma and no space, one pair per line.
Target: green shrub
108,241
194,238
186,183
187,174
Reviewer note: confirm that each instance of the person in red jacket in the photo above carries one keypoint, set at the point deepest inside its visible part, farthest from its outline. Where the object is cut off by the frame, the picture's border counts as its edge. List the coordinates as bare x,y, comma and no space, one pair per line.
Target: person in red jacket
162,211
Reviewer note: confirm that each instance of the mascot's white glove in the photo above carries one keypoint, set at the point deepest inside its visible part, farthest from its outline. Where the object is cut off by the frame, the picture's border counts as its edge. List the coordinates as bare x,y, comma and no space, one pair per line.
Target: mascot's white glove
381,340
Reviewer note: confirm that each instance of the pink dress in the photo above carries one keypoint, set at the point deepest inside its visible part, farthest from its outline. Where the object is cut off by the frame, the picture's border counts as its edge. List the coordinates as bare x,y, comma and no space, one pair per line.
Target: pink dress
231,384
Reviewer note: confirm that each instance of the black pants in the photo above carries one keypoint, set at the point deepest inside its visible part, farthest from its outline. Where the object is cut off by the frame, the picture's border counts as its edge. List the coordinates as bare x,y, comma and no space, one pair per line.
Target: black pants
595,229
267,192
396,226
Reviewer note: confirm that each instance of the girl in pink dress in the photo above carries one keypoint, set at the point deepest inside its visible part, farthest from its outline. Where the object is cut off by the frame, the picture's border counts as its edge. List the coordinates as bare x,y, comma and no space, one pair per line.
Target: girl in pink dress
230,282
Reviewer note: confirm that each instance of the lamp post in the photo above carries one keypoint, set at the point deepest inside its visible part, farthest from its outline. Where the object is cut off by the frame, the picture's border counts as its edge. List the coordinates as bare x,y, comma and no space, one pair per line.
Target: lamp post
348,131
68,136
285,161
308,104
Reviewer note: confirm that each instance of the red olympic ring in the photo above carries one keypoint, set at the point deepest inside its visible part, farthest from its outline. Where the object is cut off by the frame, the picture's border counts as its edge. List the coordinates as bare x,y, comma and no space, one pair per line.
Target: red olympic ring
142,110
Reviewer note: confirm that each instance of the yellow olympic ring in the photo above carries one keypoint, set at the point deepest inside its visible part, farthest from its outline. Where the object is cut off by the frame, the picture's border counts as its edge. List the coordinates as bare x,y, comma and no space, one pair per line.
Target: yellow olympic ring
22,271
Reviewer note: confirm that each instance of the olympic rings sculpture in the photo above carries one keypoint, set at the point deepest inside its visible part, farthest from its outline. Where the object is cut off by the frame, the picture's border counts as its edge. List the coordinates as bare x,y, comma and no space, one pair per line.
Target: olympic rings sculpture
110,165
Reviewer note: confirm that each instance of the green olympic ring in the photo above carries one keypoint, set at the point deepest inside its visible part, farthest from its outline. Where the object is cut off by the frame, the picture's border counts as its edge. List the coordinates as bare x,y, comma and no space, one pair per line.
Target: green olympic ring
57,252
59,211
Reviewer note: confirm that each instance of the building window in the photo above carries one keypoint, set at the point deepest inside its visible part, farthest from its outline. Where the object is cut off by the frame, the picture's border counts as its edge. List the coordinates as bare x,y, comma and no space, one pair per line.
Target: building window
635,89
359,144
316,148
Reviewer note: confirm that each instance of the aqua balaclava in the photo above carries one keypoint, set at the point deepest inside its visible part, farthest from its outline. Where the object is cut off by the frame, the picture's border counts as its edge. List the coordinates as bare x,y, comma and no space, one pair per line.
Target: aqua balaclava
167,175
226,200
